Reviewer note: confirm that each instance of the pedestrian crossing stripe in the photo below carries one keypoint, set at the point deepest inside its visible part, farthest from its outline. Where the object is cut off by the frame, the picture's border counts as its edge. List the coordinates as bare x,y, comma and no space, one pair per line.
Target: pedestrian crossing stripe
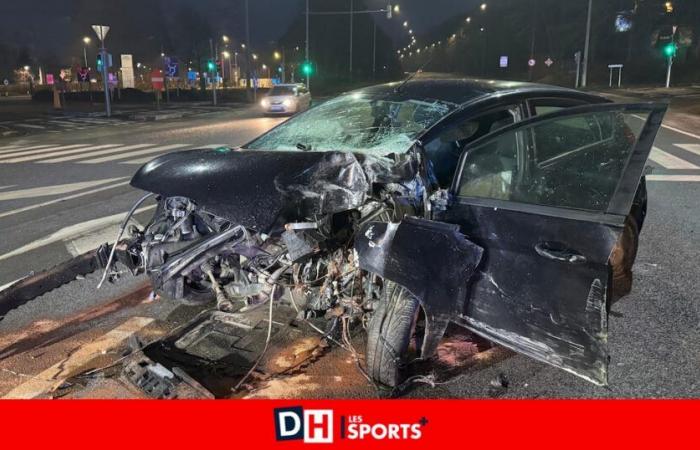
669,161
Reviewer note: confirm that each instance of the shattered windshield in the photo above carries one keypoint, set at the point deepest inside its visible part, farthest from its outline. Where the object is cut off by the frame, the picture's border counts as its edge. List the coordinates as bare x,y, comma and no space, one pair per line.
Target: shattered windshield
356,122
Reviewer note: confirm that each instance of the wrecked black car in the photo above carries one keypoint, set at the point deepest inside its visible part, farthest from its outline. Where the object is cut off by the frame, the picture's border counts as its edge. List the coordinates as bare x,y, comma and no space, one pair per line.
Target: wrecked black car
511,209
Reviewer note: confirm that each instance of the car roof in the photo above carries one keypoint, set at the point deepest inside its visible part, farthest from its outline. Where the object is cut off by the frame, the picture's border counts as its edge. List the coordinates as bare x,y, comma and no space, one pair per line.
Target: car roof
463,90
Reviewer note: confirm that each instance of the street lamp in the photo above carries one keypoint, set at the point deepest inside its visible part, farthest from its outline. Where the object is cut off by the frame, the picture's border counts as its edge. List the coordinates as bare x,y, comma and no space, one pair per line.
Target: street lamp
277,55
483,7
405,24
225,39
86,41
469,20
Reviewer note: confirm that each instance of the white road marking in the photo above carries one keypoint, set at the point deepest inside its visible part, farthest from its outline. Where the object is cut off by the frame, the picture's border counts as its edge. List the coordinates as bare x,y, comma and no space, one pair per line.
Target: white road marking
669,161
692,148
20,148
5,286
78,361
91,153
62,199
28,125
37,151
677,178
73,232
7,187
58,153
161,149
57,189
63,123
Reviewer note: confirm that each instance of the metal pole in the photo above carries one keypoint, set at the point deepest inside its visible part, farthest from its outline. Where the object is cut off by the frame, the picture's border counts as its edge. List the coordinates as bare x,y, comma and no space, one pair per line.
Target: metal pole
584,75
105,80
213,81
249,80
85,54
351,27
668,71
374,52
308,78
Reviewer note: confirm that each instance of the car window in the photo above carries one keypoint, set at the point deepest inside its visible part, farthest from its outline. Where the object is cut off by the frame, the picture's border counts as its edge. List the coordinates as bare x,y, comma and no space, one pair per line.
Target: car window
541,106
283,90
570,162
444,150
357,123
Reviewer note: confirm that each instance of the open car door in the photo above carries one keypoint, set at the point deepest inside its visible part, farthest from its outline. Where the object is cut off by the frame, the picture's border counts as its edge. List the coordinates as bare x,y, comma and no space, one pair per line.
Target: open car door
547,198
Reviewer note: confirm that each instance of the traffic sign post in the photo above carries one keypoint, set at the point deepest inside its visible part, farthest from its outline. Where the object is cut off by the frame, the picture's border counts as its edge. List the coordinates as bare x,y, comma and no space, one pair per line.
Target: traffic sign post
612,68
101,32
157,80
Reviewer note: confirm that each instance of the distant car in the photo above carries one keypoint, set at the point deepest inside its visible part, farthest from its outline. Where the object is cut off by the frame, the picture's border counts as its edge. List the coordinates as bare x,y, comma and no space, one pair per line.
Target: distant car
286,99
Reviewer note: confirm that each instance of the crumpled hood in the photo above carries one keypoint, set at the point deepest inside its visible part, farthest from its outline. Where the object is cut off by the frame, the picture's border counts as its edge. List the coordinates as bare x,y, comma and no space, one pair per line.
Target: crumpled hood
263,190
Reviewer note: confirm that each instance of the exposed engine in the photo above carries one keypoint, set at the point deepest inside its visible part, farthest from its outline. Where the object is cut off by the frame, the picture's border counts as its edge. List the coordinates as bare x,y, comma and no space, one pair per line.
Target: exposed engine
194,256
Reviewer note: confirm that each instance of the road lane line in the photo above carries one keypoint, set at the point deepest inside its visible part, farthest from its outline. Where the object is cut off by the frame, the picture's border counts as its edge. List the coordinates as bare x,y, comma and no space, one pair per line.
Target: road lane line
62,199
91,154
692,148
669,161
135,153
78,361
28,125
677,178
57,189
84,150
66,234
50,148
21,149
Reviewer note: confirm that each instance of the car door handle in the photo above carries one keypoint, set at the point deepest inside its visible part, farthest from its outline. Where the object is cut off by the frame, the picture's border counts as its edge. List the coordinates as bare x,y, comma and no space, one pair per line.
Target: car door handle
555,252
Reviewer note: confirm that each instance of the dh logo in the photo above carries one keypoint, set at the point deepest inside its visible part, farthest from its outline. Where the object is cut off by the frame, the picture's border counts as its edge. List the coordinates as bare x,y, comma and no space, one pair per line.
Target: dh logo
314,426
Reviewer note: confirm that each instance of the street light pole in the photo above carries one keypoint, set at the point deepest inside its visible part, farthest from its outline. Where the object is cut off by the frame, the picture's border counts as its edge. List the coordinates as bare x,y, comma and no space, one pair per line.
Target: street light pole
214,72
308,77
352,15
584,75
374,51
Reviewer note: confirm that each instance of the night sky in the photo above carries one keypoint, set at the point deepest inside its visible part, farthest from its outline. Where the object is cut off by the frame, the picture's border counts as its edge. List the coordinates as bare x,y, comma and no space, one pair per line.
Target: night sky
46,26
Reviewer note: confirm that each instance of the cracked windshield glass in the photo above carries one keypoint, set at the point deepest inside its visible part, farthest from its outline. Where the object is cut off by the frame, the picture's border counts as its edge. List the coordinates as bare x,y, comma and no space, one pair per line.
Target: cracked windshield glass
356,123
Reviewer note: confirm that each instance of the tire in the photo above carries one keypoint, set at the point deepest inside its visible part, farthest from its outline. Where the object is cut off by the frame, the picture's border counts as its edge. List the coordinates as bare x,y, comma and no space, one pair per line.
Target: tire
622,258
389,335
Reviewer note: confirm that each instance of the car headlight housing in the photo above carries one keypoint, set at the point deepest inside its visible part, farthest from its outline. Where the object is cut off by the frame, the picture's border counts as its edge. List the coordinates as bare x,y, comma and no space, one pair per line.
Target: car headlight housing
288,103
265,103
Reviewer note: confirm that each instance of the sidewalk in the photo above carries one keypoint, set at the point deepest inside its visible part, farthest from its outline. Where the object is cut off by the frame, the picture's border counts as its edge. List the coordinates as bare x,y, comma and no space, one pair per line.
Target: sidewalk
684,102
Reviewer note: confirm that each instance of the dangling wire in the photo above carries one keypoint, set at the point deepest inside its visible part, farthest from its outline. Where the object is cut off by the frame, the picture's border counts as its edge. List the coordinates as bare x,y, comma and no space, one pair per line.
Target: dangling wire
119,236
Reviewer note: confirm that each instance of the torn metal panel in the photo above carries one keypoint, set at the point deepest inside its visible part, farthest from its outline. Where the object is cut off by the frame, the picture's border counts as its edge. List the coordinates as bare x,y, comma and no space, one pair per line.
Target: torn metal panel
433,260
263,190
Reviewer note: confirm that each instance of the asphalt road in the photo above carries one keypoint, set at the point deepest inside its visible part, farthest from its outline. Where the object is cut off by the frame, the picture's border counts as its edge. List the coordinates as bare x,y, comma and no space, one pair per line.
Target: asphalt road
64,188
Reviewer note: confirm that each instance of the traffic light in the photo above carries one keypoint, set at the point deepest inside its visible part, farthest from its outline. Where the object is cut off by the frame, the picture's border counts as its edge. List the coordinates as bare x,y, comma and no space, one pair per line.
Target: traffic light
210,65
99,62
670,49
307,68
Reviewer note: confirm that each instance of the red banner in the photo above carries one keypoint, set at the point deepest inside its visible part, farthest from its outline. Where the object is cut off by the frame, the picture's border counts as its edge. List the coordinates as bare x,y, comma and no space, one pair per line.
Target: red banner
389,424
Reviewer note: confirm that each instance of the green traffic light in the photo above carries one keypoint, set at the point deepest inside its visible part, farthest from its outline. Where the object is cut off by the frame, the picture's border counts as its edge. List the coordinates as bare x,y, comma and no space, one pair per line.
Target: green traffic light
210,65
670,49
307,69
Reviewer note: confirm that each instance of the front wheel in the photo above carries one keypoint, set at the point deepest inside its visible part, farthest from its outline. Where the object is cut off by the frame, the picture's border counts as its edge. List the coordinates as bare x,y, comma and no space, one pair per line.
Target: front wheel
389,335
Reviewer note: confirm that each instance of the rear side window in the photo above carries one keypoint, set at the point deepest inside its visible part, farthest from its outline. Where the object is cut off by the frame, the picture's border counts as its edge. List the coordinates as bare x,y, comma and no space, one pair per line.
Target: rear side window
569,162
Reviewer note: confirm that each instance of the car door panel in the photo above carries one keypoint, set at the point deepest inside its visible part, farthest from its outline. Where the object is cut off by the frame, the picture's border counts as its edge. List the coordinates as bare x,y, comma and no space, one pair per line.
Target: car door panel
544,282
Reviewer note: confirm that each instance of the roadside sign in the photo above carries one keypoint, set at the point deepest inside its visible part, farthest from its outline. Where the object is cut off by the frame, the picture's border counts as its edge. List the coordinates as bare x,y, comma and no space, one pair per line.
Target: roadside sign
113,80
531,62
548,62
157,79
6,81
83,74
503,62
101,31
49,79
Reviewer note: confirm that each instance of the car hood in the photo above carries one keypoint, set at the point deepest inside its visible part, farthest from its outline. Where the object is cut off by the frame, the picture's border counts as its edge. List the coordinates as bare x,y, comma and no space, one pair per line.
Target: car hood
263,190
